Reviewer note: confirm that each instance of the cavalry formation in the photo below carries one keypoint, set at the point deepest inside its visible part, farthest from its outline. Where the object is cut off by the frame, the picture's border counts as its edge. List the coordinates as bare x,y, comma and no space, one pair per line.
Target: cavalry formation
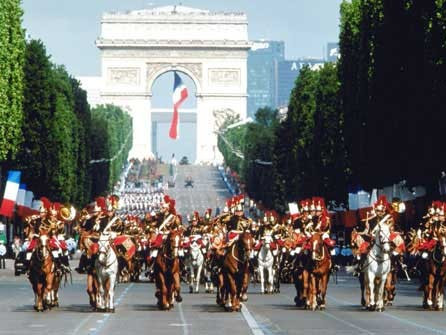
229,251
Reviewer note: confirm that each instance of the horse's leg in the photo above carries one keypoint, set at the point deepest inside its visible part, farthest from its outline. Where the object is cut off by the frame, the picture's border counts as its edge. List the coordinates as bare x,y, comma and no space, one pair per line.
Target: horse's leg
370,282
262,279
270,279
313,292
380,293
232,286
440,296
177,285
429,287
324,284
198,278
297,277
191,279
388,290
305,288
245,284
40,290
363,289
101,293
161,284
221,289
49,279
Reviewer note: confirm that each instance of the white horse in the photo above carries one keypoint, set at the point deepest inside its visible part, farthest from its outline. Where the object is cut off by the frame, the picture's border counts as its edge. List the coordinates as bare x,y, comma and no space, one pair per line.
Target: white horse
195,260
265,259
107,272
377,268
207,270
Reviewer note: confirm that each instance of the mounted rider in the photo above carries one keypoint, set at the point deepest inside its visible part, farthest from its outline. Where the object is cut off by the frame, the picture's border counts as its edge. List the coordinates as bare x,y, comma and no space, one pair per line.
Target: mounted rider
362,235
238,223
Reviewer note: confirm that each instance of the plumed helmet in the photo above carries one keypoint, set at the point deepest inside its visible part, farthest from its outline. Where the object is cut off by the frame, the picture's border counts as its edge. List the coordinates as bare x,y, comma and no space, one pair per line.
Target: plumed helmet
45,206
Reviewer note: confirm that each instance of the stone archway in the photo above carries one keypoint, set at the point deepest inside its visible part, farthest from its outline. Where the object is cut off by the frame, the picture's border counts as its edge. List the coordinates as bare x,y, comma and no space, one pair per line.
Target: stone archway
160,88
211,48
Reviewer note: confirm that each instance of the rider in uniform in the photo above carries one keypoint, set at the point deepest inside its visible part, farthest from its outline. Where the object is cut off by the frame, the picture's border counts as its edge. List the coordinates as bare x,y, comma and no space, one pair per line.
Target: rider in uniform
381,213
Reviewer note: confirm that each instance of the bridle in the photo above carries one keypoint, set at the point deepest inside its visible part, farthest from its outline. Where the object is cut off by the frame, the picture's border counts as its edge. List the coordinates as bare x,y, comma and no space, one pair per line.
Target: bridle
104,247
172,251
244,250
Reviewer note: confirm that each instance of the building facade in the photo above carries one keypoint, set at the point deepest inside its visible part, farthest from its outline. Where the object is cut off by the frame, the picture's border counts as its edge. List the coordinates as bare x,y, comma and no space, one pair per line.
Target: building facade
139,46
333,52
262,74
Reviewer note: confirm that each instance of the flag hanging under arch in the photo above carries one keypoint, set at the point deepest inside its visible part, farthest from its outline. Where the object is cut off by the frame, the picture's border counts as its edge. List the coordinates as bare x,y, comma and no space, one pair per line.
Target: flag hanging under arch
179,95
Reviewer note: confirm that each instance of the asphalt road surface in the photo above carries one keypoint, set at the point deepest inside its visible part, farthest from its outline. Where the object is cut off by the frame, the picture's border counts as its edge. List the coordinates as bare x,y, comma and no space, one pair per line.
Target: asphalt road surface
208,191
136,311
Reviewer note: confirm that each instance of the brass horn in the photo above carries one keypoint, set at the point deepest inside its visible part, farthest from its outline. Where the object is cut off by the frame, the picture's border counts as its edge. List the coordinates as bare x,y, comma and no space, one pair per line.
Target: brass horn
67,213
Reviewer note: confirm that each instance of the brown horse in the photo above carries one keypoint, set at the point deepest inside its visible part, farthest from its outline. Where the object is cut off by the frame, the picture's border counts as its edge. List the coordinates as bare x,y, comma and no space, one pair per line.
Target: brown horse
236,271
41,273
435,268
167,272
319,273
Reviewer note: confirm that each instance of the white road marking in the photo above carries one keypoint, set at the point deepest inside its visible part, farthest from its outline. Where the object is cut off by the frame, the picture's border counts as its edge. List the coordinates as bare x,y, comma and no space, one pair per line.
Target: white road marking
183,320
338,319
252,323
400,319
101,322
84,321
362,330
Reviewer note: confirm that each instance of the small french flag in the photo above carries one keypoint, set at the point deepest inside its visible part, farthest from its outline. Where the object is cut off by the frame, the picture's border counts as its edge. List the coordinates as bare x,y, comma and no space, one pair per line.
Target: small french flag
11,191
179,95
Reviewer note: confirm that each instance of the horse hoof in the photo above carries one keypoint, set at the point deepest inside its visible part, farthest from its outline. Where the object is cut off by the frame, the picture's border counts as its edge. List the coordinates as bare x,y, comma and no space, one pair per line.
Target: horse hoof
179,298
191,290
371,308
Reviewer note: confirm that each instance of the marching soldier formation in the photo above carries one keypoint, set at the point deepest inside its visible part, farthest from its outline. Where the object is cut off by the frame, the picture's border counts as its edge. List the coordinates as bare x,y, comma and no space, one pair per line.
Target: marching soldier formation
229,251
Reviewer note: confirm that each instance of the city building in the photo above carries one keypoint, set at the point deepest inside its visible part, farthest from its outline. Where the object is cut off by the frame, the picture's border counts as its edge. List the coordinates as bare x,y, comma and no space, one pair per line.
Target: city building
287,73
262,74
332,52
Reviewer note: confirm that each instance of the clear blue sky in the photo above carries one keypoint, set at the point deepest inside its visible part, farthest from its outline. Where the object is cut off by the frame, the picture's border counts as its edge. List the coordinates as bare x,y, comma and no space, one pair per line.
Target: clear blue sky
69,28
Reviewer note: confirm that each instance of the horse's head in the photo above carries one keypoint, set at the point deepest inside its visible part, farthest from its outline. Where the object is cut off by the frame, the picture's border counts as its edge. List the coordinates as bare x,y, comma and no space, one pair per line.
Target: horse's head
382,237
317,247
173,242
267,240
246,244
104,247
42,247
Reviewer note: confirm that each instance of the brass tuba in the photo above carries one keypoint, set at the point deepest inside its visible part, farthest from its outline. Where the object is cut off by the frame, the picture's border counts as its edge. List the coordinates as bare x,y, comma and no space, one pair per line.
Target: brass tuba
67,213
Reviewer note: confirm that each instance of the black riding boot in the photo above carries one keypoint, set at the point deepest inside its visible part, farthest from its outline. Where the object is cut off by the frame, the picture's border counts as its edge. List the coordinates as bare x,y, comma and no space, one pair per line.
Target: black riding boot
82,264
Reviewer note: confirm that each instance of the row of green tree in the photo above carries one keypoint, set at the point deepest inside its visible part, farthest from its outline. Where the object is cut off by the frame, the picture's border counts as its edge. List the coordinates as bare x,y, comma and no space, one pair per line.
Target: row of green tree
372,119
47,129
393,82
299,155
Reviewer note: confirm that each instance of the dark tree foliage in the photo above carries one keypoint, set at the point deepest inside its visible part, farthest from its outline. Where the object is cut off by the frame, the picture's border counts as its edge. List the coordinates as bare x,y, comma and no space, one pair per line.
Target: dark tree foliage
111,141
392,74
12,55
258,154
33,159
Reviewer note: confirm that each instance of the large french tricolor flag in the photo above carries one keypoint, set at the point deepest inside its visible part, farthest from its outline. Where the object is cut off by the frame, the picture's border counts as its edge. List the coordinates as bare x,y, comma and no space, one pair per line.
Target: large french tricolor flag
179,95
11,191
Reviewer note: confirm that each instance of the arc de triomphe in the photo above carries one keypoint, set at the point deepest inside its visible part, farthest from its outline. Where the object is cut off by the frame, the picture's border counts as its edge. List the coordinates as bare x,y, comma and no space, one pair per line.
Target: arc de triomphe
139,46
